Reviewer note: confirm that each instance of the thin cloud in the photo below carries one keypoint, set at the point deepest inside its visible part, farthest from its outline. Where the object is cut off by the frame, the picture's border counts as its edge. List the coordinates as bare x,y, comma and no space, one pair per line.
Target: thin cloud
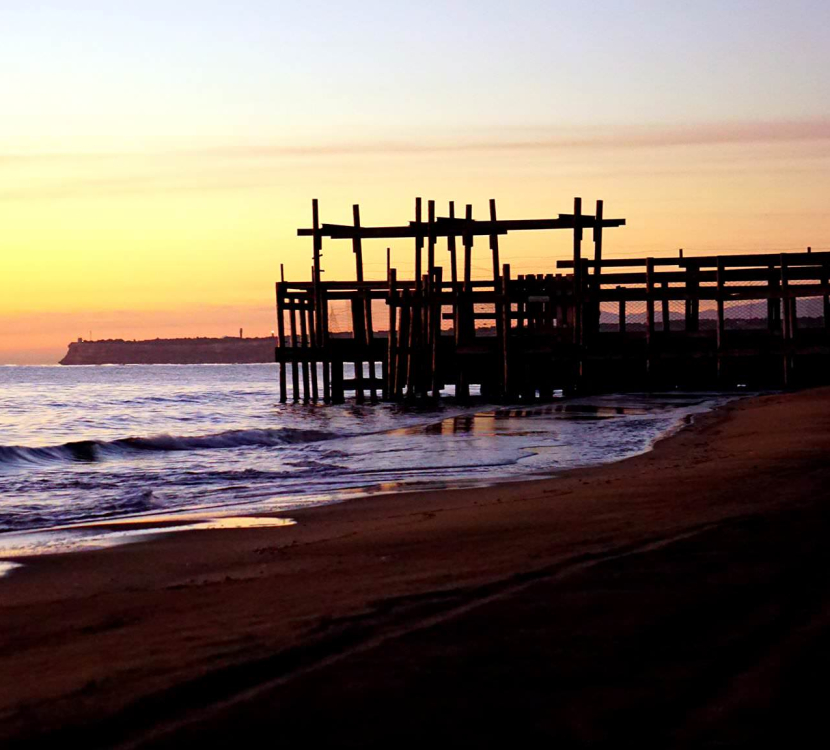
643,136
255,165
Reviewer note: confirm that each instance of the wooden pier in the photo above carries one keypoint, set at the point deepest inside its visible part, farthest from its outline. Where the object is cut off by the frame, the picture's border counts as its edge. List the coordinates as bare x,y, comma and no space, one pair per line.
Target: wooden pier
596,324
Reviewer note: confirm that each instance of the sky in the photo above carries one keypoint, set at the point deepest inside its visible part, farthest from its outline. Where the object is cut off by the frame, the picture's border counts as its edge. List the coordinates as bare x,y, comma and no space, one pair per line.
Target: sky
156,158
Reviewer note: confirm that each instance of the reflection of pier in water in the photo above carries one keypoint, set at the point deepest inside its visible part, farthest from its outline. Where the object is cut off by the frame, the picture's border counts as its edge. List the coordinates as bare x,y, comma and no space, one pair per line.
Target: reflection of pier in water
605,324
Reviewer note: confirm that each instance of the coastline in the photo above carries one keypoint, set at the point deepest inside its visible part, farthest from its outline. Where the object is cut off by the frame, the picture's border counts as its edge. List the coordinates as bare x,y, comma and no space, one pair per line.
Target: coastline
227,618
445,449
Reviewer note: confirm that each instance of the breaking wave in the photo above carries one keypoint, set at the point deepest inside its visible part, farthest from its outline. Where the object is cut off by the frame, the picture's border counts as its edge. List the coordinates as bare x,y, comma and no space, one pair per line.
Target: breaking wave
95,450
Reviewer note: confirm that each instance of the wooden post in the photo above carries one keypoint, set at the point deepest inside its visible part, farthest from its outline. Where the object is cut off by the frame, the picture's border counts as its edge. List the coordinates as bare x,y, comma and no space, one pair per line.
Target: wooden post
721,329
546,383
319,336
369,338
424,346
411,360
435,333
359,335
419,240
337,394
431,237
392,337
577,293
295,372
825,279
774,299
650,317
468,247
451,248
405,343
786,328
504,337
317,270
303,305
501,332
357,244
692,297
494,244
520,304
549,305
621,313
317,238
323,337
281,341
360,312
462,385
665,307
312,338
597,280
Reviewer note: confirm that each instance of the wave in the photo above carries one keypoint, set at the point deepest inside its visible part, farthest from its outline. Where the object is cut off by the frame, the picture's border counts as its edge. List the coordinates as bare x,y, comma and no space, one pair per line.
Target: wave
96,450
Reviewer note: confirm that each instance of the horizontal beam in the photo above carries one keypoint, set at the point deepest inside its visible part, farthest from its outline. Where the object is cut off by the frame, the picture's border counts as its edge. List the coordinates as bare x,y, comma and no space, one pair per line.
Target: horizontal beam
711,261
446,227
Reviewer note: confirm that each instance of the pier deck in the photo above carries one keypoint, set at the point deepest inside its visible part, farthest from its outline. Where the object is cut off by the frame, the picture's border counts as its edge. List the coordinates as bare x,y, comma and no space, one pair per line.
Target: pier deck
597,324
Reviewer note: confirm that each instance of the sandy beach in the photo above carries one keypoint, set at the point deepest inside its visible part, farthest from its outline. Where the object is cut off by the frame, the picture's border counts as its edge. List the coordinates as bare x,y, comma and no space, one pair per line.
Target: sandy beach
678,598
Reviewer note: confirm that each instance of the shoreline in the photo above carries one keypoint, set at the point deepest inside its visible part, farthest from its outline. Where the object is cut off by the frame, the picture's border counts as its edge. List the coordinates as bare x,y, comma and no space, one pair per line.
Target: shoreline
24,544
230,621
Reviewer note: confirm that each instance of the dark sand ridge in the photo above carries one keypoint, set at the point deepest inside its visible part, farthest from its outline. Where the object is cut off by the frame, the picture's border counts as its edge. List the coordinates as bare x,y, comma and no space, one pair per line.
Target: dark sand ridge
678,598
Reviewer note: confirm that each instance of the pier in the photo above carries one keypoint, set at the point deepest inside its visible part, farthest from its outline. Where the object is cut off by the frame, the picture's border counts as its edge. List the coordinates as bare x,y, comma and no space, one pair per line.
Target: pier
590,324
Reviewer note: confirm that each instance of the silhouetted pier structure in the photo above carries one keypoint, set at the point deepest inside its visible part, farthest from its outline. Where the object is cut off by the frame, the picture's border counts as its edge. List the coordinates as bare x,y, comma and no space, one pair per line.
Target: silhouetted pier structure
598,324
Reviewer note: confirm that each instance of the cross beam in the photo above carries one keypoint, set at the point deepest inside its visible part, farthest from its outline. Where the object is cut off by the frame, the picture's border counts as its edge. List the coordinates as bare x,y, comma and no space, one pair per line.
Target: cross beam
445,226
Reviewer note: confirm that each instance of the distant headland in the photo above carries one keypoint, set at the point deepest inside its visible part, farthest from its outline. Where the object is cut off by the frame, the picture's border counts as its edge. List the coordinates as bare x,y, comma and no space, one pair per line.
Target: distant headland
195,351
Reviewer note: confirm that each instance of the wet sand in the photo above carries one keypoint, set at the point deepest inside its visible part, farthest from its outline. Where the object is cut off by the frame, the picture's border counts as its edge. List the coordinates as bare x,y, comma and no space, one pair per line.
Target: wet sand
679,598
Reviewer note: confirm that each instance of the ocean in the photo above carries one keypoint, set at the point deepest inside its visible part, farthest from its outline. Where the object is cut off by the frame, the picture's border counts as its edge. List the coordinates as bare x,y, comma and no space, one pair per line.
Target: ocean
84,450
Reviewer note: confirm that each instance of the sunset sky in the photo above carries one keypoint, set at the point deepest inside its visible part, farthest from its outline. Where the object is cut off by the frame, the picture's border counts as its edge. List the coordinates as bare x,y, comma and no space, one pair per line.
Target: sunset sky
156,158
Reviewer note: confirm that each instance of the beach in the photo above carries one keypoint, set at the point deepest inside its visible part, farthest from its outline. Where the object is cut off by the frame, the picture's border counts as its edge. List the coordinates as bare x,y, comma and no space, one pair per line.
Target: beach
680,597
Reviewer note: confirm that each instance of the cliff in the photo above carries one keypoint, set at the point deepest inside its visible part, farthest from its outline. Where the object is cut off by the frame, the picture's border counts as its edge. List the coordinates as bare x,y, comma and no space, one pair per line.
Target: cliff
171,352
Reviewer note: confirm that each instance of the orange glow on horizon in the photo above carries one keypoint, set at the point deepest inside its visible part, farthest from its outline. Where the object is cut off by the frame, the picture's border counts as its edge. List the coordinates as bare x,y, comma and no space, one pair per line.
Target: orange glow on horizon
190,243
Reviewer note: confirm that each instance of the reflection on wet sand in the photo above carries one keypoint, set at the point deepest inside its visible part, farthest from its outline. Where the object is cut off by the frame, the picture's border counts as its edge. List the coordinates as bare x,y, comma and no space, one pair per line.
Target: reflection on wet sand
496,421
7,567
102,534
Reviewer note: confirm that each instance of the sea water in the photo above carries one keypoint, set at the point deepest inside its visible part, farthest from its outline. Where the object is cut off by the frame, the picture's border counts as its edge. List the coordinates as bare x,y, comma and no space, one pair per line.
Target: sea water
97,445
